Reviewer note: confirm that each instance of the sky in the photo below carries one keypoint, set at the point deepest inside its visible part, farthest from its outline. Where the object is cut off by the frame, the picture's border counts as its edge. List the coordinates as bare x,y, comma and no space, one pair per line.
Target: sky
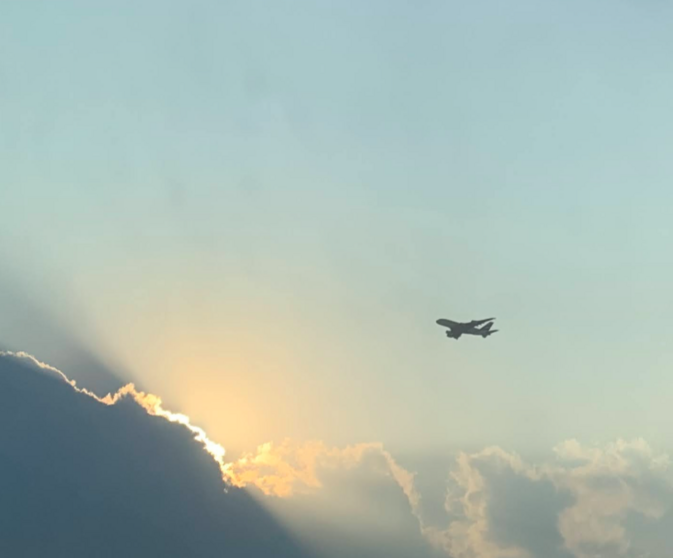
257,210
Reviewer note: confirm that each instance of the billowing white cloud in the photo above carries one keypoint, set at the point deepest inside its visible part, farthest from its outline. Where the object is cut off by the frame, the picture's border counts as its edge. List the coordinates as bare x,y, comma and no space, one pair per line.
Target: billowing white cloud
608,484
596,489
467,503
576,504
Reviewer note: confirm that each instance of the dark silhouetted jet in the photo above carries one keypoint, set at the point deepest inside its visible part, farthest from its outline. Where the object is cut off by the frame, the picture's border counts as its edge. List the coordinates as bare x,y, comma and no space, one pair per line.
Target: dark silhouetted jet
456,329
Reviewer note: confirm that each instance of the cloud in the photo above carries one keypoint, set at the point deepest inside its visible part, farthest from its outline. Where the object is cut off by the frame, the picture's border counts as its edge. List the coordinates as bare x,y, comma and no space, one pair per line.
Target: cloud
608,484
290,467
583,502
79,478
359,490
84,475
148,401
467,502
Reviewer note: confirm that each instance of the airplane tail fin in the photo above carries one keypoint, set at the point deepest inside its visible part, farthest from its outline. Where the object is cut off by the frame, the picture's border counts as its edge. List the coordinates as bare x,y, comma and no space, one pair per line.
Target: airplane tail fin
486,330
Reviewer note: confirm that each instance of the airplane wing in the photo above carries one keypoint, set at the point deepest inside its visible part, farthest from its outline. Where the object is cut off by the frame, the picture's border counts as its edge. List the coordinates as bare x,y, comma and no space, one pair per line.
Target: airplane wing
480,322
450,324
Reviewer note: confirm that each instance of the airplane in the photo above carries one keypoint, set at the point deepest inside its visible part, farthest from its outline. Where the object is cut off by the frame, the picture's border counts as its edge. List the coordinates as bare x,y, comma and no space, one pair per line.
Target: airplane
456,329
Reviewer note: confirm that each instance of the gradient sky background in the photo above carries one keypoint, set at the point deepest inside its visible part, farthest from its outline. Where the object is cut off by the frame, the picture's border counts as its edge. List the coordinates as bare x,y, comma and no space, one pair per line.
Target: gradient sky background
259,209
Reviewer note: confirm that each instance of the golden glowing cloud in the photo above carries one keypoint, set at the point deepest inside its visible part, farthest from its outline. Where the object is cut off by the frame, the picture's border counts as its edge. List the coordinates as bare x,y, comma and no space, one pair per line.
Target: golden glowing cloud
288,468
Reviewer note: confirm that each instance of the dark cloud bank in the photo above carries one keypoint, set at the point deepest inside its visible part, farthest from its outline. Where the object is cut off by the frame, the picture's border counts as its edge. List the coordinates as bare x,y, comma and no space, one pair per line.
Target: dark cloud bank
81,479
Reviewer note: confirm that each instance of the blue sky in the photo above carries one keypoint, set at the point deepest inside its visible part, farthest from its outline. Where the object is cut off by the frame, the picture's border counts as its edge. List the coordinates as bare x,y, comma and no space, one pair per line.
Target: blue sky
259,209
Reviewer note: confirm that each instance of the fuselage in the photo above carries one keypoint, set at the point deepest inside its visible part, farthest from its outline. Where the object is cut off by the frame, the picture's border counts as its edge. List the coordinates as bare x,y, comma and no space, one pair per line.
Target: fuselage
456,329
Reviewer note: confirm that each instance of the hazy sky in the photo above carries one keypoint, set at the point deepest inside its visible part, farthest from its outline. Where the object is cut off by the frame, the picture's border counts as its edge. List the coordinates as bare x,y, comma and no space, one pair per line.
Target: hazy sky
259,209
